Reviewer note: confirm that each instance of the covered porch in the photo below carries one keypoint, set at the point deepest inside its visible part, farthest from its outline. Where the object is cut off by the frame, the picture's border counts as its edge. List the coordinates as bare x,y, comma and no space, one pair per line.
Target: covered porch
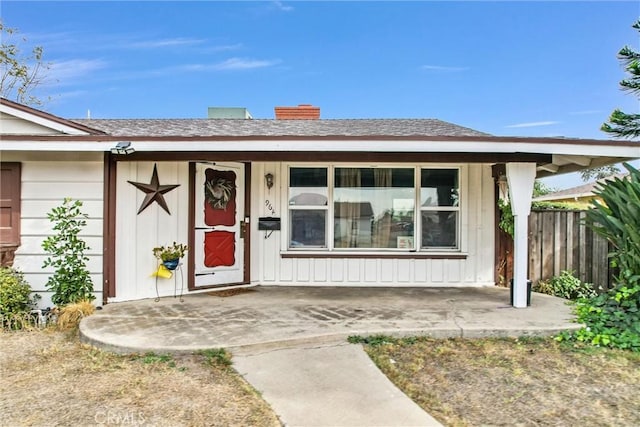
271,317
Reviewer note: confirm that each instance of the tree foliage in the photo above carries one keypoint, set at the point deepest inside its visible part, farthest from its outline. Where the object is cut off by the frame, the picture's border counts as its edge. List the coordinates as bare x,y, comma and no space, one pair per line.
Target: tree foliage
541,189
70,281
602,172
20,72
623,125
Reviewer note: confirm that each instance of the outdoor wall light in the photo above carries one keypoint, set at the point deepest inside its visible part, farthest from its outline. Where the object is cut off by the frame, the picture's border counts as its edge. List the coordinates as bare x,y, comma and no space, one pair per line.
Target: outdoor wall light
123,147
268,179
503,188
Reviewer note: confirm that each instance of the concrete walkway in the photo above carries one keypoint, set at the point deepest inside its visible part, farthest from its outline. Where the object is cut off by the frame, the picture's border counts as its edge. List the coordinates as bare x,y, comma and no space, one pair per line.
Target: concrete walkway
290,342
329,386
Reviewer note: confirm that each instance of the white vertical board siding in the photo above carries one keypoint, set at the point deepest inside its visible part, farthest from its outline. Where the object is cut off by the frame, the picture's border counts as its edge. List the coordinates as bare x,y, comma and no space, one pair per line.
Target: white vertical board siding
45,184
265,245
477,234
137,235
472,223
320,271
486,229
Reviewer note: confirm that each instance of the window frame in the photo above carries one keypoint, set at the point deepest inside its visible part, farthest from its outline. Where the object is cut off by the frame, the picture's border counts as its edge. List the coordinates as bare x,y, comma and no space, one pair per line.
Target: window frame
331,251
289,207
332,169
457,209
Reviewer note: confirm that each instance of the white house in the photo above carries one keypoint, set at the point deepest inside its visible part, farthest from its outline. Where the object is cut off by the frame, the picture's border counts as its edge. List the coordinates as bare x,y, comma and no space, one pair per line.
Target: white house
293,201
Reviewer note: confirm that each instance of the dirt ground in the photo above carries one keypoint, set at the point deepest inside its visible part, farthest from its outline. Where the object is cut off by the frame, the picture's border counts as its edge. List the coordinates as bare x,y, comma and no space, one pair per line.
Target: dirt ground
50,378
502,382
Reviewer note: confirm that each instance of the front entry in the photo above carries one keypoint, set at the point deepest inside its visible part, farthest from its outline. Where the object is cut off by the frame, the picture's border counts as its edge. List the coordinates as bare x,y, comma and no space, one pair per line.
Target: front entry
218,249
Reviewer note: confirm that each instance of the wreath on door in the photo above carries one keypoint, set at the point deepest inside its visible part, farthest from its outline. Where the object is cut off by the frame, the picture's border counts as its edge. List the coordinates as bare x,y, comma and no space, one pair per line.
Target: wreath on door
218,192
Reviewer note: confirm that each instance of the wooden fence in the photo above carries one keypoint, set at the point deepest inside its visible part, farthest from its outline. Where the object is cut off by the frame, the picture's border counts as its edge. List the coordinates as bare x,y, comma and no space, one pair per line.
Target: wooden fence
558,240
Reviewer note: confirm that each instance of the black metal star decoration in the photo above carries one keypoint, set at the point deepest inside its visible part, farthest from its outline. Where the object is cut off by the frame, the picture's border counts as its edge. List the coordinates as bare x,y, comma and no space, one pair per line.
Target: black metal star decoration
154,191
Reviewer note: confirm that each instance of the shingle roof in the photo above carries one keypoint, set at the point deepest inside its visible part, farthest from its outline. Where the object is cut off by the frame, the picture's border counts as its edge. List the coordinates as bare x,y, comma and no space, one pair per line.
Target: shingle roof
583,190
264,127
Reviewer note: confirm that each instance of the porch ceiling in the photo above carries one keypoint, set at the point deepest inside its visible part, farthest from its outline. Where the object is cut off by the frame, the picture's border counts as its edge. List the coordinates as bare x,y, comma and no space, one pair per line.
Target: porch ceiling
572,163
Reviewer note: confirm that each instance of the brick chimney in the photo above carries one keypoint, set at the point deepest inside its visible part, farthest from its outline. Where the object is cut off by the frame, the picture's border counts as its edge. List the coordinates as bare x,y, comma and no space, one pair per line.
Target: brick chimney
301,112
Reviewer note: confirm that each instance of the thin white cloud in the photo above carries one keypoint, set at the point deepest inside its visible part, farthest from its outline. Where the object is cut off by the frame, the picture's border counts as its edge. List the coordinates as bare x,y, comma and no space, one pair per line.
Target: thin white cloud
221,48
178,41
443,68
279,5
533,124
244,64
74,41
231,64
64,72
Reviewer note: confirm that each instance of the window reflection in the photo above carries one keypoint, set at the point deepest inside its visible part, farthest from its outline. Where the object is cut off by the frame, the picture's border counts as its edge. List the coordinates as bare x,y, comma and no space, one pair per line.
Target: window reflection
307,228
439,187
374,208
439,205
439,229
308,196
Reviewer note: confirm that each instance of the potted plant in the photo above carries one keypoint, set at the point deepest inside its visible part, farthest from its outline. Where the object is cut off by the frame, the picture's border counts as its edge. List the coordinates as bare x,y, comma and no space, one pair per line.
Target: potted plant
170,255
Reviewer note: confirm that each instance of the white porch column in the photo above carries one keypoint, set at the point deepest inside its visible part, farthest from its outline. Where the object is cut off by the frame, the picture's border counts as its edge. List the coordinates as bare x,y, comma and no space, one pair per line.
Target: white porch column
520,177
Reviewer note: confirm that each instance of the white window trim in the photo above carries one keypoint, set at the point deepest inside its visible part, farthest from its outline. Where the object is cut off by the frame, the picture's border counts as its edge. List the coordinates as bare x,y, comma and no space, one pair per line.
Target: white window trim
463,211
461,208
284,208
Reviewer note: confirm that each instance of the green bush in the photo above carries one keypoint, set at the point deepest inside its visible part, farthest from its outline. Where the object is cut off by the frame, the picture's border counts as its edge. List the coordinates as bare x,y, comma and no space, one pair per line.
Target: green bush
557,206
567,286
70,282
15,293
613,318
506,222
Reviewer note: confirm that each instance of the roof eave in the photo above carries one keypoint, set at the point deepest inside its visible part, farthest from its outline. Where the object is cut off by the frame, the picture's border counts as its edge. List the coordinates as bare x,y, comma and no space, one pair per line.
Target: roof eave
45,119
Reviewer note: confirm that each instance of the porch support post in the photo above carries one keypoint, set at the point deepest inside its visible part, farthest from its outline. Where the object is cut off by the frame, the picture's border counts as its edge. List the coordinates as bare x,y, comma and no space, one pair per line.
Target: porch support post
520,177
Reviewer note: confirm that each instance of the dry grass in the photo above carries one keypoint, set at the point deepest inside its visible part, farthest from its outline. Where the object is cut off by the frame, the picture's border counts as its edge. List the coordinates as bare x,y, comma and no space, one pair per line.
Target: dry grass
514,382
71,314
49,378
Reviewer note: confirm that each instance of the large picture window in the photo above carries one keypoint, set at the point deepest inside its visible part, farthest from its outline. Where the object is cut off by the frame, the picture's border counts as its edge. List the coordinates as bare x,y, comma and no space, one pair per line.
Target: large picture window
373,208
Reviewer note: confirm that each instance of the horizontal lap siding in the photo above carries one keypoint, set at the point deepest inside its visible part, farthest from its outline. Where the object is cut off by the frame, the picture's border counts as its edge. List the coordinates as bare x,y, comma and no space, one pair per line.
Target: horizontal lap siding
45,184
268,267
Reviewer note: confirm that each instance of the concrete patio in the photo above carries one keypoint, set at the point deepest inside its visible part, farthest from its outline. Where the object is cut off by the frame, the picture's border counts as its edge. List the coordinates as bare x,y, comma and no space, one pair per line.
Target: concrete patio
284,317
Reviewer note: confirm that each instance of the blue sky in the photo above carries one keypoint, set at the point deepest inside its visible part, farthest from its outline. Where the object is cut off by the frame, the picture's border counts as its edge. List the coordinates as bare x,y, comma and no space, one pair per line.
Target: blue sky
507,68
